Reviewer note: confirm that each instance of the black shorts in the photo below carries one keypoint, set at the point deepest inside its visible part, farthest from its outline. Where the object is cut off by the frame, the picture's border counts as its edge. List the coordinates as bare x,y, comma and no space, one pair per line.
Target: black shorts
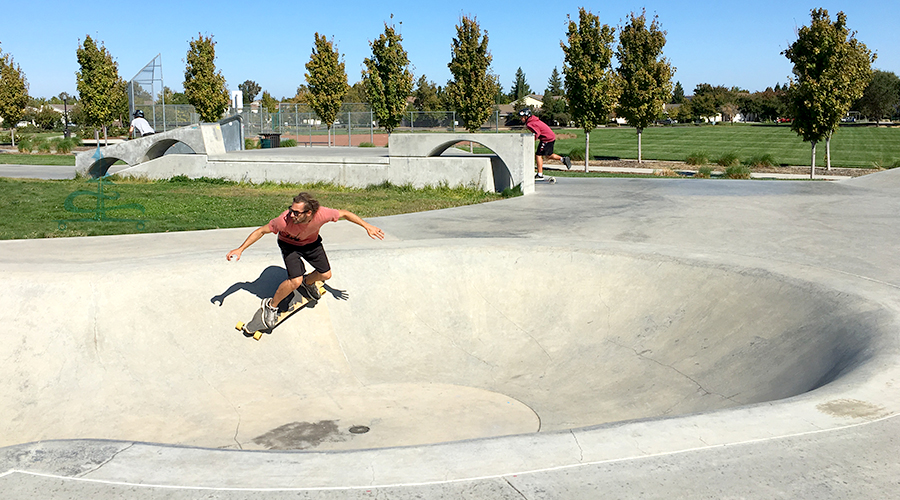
313,253
545,149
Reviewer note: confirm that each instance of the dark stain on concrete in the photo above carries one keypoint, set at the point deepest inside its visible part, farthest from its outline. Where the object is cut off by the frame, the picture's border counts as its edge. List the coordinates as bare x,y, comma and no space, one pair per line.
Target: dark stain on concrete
300,435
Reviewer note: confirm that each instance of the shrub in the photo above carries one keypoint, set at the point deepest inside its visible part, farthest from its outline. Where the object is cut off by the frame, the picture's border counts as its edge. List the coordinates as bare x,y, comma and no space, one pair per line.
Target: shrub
63,146
665,172
251,144
25,144
704,172
737,172
366,145
698,158
729,160
895,164
764,160
289,143
42,145
576,155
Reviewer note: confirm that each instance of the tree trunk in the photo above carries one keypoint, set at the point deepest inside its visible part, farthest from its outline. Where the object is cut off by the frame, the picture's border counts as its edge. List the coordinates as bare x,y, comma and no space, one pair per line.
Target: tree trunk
587,148
812,168
828,152
12,136
639,133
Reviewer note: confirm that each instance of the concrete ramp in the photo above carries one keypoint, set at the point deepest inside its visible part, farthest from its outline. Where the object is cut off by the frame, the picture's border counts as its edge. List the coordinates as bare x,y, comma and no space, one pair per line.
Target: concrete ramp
415,343
887,180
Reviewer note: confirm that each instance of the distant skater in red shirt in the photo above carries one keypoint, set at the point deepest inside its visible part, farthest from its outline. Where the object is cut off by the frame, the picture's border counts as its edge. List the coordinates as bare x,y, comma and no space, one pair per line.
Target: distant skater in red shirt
298,237
547,138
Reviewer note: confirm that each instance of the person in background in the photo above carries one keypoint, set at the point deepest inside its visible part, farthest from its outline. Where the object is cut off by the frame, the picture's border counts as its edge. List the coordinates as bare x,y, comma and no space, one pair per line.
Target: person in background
546,137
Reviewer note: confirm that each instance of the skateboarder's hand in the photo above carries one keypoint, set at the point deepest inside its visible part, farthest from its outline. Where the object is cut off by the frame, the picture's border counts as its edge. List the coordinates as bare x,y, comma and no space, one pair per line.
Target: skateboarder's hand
234,253
374,232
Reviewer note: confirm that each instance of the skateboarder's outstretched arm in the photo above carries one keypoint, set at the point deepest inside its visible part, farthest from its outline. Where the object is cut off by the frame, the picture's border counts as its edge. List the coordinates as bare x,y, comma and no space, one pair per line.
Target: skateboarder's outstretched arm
373,231
253,238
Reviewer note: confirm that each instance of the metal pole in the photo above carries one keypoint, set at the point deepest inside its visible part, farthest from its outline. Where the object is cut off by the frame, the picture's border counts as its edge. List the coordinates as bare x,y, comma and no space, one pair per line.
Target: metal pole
349,133
371,127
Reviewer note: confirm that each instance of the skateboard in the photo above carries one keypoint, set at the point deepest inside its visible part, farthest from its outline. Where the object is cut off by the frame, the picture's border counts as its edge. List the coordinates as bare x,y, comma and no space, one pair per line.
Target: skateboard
548,179
295,301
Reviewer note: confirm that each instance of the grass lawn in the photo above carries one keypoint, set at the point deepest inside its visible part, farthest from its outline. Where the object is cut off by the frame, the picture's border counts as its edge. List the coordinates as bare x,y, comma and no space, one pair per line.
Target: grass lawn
850,147
31,208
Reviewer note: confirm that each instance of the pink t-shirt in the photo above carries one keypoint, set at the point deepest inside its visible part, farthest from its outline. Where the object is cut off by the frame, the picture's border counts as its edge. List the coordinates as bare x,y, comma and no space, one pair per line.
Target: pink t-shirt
540,129
302,234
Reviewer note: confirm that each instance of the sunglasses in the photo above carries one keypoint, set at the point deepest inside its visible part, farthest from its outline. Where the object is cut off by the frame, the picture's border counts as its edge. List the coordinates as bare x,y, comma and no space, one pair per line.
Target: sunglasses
295,213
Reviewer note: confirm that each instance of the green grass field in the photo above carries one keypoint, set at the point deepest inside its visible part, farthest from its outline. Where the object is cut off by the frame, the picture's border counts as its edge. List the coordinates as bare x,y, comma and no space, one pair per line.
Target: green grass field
864,147
31,208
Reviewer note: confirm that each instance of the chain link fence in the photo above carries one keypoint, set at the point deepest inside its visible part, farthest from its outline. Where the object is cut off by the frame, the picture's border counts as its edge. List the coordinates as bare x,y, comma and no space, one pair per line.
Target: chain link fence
354,124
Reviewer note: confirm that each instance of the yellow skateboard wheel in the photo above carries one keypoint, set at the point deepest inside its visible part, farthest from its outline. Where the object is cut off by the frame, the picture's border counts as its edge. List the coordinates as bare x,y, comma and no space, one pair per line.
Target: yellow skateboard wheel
257,335
239,326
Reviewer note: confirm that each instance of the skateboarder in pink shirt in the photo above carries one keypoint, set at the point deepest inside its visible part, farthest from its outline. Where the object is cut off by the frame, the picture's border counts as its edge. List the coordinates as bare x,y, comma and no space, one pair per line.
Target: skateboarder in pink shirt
546,137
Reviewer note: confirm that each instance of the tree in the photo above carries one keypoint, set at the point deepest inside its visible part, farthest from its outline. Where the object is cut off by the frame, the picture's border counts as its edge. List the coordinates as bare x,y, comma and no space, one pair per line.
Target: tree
591,84
268,102
425,97
249,89
555,84
203,85
881,97
13,93
326,80
677,94
520,87
102,90
646,76
831,70
388,80
473,89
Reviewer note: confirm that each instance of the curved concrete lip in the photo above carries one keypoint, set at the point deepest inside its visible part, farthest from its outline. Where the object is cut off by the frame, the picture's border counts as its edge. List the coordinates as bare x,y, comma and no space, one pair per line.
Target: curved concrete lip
633,221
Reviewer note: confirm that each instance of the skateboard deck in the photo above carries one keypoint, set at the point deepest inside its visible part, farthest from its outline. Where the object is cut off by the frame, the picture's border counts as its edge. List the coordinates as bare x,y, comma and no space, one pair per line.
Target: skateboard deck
548,179
293,303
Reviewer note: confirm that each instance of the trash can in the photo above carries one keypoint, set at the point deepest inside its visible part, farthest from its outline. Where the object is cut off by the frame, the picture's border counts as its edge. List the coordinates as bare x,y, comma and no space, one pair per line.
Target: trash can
270,140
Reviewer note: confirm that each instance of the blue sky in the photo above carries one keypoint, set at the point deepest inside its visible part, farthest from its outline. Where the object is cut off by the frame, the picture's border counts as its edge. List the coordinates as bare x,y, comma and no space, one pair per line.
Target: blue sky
718,42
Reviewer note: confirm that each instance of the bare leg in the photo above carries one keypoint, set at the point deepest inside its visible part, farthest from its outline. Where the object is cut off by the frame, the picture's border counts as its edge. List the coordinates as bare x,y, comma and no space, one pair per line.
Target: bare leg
288,286
540,164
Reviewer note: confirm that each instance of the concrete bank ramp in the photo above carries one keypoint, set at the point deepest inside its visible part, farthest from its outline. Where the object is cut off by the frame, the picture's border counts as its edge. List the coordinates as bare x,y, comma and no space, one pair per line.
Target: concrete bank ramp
887,180
415,343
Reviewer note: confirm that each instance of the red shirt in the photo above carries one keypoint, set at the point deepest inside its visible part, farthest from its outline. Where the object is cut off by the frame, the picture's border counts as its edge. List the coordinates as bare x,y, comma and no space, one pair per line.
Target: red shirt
540,129
302,234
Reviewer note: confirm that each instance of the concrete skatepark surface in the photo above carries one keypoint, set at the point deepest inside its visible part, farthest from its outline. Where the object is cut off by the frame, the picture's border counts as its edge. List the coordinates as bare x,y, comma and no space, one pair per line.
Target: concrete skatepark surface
615,337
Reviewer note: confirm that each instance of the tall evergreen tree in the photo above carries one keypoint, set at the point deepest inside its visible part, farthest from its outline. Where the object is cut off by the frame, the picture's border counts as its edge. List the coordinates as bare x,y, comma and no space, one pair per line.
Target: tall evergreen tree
646,76
473,89
203,85
13,94
388,80
831,70
554,84
102,90
326,80
678,94
591,86
520,87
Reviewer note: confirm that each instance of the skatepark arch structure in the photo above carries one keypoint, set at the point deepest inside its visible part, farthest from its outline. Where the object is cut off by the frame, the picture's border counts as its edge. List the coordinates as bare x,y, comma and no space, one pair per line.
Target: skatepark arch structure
412,159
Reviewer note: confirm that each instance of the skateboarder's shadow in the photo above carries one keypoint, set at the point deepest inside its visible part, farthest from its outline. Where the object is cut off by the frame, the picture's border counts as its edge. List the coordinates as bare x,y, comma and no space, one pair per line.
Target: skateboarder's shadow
262,287
265,286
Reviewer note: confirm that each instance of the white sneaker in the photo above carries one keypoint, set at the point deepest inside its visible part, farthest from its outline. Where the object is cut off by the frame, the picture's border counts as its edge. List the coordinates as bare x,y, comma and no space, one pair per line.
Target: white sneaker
538,176
270,314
